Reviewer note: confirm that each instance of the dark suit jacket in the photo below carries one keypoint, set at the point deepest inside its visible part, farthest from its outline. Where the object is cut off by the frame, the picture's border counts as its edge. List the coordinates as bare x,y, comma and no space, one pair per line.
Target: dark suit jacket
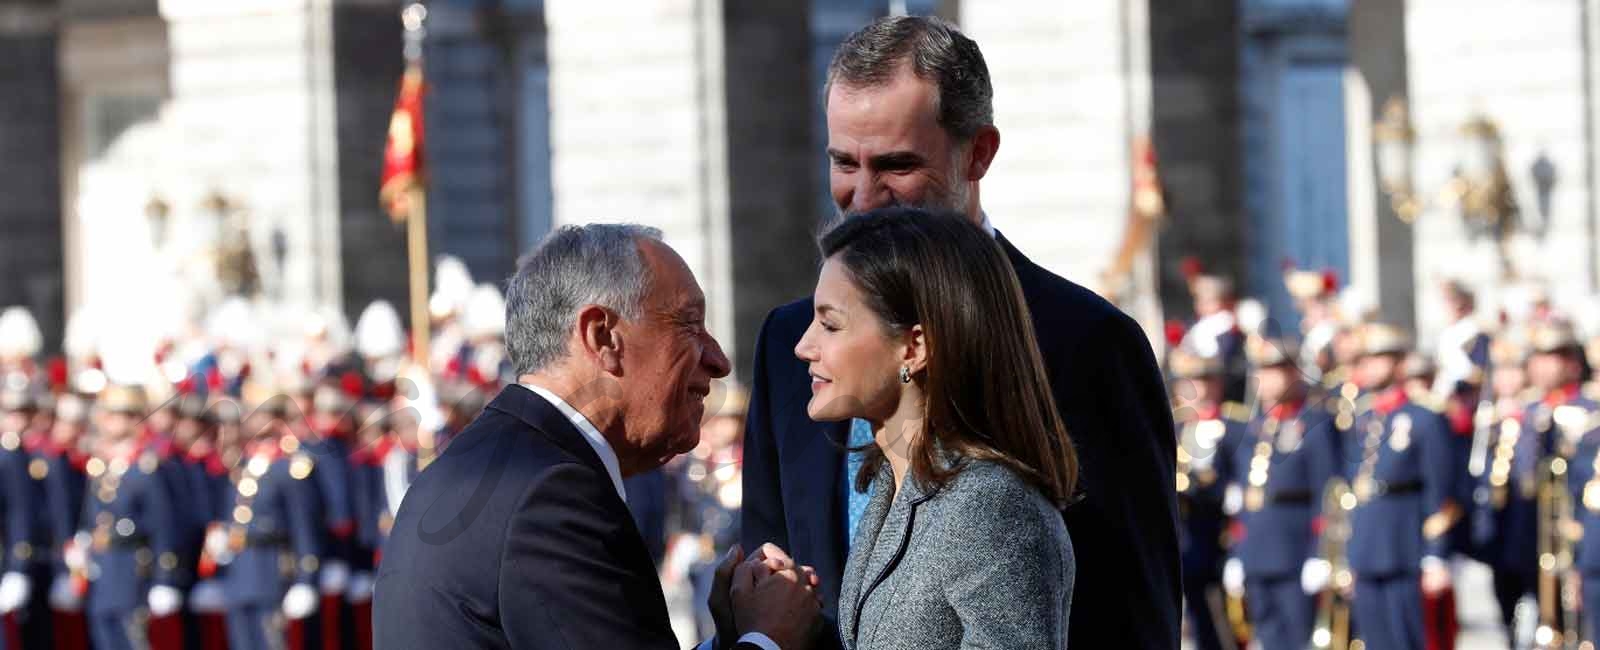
516,538
1110,393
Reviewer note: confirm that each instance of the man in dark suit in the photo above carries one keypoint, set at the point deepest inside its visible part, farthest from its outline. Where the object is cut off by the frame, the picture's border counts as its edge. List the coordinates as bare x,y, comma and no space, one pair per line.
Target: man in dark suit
519,535
910,121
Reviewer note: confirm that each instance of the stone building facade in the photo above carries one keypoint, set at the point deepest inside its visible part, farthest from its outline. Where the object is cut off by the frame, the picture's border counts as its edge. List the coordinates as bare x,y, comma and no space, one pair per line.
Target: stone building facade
704,118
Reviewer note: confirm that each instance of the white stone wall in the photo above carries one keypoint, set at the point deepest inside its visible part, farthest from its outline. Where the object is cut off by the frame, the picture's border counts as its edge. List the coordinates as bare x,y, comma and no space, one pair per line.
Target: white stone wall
636,128
1059,186
1519,62
248,114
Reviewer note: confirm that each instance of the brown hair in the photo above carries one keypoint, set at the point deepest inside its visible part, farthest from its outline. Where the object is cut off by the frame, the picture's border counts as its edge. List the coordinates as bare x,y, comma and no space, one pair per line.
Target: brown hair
988,396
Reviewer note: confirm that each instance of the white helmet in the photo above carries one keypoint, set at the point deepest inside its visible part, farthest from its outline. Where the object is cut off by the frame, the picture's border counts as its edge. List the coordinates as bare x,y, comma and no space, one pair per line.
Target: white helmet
485,313
378,331
452,287
19,334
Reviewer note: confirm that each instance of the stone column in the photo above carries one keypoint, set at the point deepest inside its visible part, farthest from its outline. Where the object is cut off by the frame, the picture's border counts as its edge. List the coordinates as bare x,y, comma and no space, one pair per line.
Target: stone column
771,158
1194,68
31,253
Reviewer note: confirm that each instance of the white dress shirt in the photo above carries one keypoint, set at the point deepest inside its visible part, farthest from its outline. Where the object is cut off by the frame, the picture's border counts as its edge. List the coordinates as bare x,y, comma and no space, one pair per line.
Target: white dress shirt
608,457
591,435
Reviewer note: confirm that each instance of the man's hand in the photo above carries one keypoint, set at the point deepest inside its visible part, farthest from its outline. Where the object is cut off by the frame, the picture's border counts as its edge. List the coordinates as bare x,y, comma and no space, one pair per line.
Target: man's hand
1435,579
720,601
779,602
765,561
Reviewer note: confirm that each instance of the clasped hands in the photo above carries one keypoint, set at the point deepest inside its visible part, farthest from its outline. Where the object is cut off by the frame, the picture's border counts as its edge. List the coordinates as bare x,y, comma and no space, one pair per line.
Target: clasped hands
768,593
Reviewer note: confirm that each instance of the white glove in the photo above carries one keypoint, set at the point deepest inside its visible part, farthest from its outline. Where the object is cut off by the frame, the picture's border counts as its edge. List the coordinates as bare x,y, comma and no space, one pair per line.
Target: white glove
335,578
1314,575
1232,499
216,545
1233,577
207,597
75,553
14,590
63,598
300,602
164,601
360,590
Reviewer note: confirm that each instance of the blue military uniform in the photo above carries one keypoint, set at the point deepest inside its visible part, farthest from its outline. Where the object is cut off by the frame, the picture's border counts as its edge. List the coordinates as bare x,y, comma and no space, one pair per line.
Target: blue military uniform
1401,461
1505,528
1284,461
18,514
29,551
133,544
273,531
1207,442
1583,478
335,474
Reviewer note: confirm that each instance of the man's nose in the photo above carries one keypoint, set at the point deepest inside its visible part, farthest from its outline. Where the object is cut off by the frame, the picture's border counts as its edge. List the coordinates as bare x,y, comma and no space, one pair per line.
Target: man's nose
715,361
869,193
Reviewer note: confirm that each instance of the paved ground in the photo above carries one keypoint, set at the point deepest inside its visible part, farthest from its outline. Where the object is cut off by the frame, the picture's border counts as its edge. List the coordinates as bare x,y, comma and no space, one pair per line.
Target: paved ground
1475,606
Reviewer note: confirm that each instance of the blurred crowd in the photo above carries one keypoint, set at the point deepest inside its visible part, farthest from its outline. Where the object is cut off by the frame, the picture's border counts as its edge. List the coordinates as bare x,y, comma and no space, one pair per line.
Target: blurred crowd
225,484
1335,477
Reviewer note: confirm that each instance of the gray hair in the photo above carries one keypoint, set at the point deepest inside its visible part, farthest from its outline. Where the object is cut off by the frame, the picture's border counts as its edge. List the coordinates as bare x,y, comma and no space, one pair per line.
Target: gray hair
937,51
594,264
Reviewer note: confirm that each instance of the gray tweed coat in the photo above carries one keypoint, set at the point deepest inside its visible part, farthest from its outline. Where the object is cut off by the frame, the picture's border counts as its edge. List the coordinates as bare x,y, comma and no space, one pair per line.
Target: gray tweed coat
983,563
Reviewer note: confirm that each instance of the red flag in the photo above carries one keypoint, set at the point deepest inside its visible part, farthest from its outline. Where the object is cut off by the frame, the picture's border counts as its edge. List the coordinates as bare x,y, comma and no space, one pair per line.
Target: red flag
402,154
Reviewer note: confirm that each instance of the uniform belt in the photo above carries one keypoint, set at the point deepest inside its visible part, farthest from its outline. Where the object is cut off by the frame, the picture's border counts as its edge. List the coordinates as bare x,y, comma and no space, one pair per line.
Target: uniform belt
1402,488
1290,498
266,540
128,541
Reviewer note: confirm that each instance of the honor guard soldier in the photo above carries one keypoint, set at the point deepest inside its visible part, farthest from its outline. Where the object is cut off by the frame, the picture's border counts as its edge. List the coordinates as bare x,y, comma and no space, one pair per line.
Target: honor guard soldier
1284,461
26,547
1509,526
205,479
1209,430
1558,424
65,477
131,538
1401,462
331,425
269,542
1216,332
1584,483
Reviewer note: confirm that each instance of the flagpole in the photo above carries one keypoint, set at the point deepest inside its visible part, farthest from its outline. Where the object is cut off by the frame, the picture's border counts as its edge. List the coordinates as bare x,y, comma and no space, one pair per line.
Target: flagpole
417,247
413,17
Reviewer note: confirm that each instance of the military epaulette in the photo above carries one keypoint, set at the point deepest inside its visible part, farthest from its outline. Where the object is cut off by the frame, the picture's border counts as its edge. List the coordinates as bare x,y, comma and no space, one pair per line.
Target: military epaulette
1428,401
1235,411
300,465
1363,403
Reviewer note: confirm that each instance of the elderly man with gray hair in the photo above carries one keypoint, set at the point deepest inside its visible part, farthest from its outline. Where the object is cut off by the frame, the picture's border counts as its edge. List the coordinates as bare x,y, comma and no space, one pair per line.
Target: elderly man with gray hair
519,535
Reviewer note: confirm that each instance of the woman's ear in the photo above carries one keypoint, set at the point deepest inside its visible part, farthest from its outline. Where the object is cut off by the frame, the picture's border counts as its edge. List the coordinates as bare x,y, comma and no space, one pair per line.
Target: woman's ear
597,331
916,349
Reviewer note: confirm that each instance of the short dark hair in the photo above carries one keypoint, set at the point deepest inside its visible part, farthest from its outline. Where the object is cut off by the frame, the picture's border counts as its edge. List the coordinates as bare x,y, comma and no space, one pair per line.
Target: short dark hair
988,393
936,50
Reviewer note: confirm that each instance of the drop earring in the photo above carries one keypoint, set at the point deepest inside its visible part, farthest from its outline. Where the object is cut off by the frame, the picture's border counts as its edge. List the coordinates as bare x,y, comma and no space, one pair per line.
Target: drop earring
905,374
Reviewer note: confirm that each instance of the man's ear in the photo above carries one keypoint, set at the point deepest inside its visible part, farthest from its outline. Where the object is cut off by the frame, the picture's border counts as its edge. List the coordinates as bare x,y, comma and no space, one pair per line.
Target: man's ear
916,350
597,331
985,144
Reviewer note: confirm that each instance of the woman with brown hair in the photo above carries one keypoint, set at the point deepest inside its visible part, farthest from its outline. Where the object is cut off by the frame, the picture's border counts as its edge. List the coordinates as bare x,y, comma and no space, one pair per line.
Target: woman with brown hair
921,332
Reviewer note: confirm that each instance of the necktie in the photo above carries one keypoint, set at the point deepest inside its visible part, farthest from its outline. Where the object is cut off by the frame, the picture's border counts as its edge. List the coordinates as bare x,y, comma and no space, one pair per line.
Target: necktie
860,435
